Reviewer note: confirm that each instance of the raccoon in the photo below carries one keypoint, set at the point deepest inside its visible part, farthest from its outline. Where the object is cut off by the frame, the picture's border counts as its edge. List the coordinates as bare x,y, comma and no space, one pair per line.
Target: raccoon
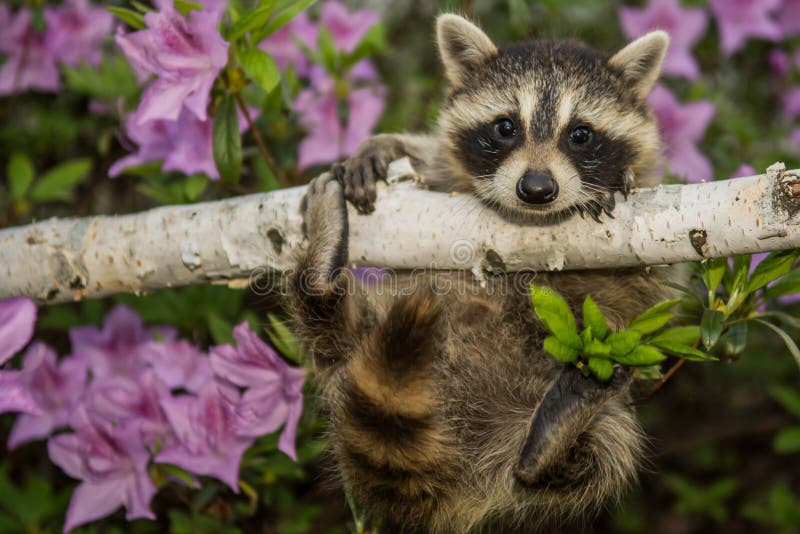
445,413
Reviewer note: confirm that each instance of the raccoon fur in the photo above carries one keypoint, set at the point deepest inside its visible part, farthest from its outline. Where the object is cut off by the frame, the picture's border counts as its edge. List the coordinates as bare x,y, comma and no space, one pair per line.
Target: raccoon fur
445,413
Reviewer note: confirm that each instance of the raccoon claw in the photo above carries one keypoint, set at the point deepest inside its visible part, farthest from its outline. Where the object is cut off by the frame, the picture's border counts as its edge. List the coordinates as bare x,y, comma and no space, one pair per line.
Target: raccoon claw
358,175
325,223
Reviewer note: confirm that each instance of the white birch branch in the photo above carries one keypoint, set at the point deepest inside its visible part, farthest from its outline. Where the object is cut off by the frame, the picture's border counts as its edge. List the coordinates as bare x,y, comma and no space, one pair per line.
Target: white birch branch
227,241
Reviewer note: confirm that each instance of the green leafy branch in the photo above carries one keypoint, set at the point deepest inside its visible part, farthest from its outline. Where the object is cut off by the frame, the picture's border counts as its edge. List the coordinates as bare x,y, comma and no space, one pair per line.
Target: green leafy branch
596,349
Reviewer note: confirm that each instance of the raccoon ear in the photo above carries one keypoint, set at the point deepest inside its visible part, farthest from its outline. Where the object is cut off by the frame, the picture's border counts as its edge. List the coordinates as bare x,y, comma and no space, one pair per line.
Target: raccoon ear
640,61
462,45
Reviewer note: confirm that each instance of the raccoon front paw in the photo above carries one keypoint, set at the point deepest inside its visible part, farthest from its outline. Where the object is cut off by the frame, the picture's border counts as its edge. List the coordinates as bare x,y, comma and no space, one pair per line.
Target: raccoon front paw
326,227
362,170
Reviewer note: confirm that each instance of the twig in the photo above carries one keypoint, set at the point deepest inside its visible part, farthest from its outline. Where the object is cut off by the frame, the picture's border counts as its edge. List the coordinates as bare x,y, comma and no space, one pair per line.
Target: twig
262,147
672,370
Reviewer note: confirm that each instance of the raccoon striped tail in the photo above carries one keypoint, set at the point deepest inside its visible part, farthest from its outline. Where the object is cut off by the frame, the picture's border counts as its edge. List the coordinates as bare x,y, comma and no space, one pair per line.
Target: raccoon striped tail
386,429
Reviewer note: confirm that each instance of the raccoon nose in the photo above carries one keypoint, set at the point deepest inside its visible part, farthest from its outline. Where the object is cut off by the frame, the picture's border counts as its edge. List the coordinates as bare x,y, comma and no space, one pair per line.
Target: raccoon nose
537,188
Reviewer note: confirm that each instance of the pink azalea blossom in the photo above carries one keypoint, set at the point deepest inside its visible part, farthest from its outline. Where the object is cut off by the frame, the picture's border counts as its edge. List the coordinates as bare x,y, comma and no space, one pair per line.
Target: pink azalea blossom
111,461
791,102
115,349
205,426
779,62
185,54
789,17
283,49
134,398
794,139
347,28
77,30
682,127
329,136
684,25
56,389
185,145
14,396
743,171
31,55
274,389
17,318
739,20
178,364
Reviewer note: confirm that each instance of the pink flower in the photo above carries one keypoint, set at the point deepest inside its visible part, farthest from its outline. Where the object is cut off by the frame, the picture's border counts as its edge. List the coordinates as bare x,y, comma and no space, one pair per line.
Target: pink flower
77,30
178,364
789,17
347,29
132,399
739,20
682,127
115,349
684,25
791,102
14,396
283,49
205,427
794,139
779,62
185,54
331,137
17,318
31,61
184,145
56,390
274,389
744,170
111,461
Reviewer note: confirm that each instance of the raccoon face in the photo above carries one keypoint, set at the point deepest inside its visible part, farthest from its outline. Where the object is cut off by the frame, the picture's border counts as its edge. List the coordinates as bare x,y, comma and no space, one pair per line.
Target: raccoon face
545,129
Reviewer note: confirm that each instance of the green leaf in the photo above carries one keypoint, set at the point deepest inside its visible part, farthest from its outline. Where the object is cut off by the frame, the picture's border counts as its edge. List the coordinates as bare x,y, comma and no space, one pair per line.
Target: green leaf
594,318
283,339
687,352
622,343
787,441
184,7
194,186
735,339
788,397
775,265
711,327
282,18
788,285
602,368
227,141
327,48
596,348
685,335
255,19
221,330
130,17
20,174
58,182
261,68
785,318
559,351
651,323
655,317
554,312
641,356
712,276
787,340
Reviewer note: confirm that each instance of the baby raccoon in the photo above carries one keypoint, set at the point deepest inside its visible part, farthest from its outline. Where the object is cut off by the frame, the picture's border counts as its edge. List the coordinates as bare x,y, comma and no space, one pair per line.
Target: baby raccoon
446,415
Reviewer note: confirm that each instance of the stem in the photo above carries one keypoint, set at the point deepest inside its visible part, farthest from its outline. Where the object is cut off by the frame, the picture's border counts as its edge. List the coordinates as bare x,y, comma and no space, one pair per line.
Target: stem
672,370
262,147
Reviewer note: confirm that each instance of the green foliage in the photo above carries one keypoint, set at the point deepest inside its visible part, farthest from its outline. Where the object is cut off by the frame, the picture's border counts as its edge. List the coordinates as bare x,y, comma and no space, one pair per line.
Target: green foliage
596,349
227,140
780,510
702,500
32,506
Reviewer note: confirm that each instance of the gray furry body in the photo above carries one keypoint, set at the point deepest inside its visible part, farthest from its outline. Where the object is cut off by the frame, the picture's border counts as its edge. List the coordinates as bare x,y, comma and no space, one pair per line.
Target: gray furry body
431,397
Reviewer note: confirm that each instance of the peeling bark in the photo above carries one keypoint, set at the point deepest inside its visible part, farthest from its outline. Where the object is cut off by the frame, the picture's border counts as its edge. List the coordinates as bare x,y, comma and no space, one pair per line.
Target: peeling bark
229,241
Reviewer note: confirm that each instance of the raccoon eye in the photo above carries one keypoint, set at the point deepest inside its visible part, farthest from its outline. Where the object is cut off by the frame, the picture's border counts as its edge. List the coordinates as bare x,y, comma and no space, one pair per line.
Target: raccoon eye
581,135
505,128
